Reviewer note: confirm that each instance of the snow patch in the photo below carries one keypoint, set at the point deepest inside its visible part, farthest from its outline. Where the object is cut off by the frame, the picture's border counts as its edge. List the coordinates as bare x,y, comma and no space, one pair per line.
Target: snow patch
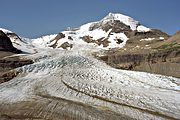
143,29
147,39
161,38
113,40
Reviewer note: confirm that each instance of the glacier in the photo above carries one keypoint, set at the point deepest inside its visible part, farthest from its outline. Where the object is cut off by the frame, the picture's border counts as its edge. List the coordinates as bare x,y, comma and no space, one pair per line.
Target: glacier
79,77
73,84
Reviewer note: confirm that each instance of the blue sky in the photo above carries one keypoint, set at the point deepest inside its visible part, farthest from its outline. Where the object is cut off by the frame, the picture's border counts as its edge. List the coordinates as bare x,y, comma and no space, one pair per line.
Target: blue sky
33,18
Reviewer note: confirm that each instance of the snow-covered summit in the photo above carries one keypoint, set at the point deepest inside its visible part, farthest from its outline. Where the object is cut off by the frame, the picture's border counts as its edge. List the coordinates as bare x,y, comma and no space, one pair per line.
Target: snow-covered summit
6,31
129,21
112,31
122,18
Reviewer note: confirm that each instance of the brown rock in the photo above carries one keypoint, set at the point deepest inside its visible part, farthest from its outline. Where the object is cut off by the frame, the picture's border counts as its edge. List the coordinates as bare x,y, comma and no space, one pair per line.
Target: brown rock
6,76
7,66
70,38
103,41
66,45
56,39
115,25
88,39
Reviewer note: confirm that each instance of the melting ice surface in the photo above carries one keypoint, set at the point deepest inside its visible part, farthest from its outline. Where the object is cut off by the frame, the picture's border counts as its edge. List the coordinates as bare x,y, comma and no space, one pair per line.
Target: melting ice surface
77,76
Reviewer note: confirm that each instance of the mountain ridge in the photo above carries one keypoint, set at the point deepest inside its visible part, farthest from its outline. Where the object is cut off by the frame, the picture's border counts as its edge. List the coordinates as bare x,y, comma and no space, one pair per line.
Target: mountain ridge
103,34
105,26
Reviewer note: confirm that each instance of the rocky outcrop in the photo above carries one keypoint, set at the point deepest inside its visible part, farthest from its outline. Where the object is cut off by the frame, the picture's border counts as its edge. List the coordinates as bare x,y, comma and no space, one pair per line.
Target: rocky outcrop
6,76
7,66
150,34
10,63
15,37
70,38
166,63
56,39
66,45
59,36
88,39
6,44
101,41
115,26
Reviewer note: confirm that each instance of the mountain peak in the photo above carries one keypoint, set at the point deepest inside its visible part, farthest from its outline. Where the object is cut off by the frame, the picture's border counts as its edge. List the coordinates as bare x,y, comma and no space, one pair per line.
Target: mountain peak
122,18
117,16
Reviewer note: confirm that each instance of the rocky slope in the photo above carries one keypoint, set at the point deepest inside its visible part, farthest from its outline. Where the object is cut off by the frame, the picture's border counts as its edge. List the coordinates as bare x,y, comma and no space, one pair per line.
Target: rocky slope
154,56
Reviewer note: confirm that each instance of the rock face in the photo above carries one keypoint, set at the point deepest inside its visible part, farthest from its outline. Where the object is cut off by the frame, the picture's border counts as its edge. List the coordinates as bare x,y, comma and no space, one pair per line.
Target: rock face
66,45
115,25
153,33
13,62
6,44
166,63
7,66
101,41
6,76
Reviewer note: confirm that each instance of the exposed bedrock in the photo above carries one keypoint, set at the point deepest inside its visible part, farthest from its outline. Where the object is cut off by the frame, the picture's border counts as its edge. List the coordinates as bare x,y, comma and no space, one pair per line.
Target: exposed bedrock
8,64
166,63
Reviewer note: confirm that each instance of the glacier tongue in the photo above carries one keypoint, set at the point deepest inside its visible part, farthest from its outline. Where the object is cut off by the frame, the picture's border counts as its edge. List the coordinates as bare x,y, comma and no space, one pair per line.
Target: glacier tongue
76,76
